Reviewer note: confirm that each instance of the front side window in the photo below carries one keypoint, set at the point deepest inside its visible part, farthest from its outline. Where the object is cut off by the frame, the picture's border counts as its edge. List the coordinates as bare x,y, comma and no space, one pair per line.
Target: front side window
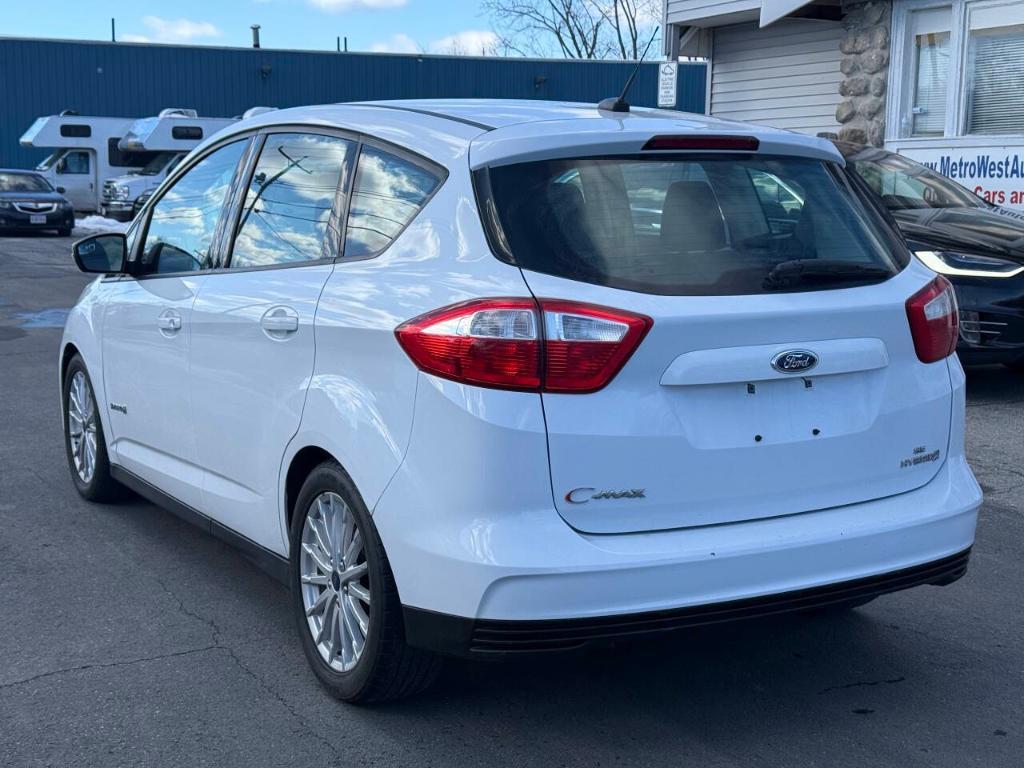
183,223
74,163
707,225
995,70
388,192
930,67
291,208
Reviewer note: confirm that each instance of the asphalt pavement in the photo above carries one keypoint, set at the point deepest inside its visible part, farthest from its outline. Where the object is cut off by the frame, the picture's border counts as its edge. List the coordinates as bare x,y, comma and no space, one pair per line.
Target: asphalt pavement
129,638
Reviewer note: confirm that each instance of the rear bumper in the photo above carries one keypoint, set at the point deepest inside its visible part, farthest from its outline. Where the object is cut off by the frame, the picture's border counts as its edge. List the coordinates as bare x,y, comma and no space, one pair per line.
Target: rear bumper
546,572
455,635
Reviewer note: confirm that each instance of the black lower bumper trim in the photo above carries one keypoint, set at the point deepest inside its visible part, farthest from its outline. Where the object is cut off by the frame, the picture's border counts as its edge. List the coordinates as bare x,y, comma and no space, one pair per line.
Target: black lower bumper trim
460,636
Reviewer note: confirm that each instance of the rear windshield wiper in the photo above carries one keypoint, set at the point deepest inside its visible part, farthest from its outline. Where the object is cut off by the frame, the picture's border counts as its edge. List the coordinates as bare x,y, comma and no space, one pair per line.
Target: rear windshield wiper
786,274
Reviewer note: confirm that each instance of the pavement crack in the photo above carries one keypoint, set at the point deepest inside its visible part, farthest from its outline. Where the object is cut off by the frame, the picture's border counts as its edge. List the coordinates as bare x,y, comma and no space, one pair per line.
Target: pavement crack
214,628
863,684
283,702
221,646
129,662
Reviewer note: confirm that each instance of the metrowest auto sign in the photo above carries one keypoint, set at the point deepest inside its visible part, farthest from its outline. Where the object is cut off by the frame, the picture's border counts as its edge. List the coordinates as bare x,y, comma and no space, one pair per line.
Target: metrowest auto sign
995,173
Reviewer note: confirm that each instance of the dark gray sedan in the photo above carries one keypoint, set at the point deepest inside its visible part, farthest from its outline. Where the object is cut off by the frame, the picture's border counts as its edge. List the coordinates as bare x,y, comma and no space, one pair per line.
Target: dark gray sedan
28,202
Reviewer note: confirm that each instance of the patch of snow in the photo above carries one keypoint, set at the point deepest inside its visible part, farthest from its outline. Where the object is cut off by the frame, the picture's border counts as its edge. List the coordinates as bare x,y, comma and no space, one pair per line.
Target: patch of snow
99,223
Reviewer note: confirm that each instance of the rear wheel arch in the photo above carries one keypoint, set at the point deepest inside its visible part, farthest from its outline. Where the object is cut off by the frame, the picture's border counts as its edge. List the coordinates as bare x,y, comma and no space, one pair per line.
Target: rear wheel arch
302,463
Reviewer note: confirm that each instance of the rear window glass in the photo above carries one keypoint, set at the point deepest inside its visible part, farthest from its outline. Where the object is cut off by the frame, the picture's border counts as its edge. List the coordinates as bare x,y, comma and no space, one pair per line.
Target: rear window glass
692,225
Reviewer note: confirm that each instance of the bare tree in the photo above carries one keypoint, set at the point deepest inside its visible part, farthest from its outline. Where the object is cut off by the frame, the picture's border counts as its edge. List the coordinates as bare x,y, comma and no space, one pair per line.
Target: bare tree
631,23
575,29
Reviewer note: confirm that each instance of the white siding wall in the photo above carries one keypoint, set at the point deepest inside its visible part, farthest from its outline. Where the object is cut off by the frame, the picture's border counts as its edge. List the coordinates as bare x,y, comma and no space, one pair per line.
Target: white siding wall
786,75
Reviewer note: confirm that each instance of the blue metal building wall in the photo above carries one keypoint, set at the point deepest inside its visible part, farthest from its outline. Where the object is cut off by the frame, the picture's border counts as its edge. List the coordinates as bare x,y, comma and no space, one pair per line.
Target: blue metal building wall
43,77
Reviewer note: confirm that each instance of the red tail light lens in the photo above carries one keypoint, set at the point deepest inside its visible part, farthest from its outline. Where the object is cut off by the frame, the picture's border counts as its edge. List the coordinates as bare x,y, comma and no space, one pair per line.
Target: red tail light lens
490,342
934,321
586,345
549,346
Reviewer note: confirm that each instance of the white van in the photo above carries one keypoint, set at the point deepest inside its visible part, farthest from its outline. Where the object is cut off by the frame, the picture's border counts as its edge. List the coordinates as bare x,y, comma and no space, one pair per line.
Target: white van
85,154
166,139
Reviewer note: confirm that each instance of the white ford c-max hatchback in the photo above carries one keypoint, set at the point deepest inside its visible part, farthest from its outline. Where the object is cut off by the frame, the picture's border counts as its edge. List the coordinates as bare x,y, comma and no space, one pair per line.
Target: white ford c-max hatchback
491,378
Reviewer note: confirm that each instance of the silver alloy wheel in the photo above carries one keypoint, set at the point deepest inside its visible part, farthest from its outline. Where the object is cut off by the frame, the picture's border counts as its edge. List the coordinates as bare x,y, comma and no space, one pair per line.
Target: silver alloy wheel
82,426
335,581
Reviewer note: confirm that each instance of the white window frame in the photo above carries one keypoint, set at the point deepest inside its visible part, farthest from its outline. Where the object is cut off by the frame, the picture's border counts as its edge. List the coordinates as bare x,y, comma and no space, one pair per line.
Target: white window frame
901,89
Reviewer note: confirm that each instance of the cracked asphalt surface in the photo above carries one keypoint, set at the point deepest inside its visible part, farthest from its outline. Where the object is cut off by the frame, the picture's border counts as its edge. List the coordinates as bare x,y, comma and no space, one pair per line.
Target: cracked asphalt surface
129,638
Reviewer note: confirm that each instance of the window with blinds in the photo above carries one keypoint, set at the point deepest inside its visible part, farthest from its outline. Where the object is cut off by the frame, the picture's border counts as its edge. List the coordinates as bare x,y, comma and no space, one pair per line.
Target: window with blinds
995,80
931,78
930,55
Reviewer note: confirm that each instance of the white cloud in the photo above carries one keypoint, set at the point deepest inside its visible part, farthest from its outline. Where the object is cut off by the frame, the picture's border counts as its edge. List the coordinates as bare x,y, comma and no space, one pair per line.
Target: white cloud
471,42
340,6
399,43
173,30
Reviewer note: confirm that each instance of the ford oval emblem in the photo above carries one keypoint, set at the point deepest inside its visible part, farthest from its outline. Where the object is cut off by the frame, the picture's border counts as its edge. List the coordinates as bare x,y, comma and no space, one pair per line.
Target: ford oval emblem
794,361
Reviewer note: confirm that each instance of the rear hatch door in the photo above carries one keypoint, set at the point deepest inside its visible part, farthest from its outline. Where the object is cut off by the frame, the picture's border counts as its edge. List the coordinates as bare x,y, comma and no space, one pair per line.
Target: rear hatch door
779,375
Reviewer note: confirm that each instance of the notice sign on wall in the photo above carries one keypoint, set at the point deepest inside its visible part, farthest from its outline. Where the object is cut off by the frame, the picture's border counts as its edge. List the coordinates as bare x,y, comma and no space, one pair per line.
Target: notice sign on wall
994,173
667,80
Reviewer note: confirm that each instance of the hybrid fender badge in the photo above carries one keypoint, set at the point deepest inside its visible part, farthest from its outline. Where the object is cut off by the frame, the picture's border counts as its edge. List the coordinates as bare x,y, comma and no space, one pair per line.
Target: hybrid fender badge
794,361
120,408
583,495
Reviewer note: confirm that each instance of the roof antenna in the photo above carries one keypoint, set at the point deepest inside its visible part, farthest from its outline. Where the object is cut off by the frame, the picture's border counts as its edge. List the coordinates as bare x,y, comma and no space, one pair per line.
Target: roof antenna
619,103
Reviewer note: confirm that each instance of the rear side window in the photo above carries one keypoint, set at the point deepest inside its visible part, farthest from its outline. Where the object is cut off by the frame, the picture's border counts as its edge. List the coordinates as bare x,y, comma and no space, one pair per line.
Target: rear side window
290,213
73,131
690,225
187,132
389,191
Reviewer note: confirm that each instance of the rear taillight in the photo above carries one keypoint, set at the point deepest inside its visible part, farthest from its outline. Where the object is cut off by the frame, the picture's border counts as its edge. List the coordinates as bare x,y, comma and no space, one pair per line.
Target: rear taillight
933,320
547,345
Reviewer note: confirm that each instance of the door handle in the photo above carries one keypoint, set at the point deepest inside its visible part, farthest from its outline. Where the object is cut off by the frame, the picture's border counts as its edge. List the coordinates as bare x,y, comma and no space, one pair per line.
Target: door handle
169,322
280,321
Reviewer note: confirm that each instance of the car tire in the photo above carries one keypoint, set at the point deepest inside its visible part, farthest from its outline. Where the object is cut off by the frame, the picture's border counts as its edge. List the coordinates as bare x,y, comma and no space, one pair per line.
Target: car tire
384,667
87,450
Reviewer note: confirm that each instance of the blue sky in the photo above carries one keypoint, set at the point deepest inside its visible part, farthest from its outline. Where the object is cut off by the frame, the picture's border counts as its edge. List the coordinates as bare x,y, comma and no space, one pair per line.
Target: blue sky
407,26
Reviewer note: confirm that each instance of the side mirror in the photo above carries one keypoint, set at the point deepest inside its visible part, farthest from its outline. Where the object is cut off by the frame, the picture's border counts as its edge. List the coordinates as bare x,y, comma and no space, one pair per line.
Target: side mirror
61,190
104,254
62,165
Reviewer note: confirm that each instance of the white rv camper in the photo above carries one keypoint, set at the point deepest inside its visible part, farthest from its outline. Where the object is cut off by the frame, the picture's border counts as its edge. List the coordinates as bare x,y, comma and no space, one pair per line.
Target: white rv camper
167,138
85,154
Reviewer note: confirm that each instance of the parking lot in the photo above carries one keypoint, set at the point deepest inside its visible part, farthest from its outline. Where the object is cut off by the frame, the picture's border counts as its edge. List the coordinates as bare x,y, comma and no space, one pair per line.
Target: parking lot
130,637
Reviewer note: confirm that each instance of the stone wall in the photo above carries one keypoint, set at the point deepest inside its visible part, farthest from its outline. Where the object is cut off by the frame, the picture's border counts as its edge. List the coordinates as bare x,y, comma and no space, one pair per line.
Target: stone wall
865,68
